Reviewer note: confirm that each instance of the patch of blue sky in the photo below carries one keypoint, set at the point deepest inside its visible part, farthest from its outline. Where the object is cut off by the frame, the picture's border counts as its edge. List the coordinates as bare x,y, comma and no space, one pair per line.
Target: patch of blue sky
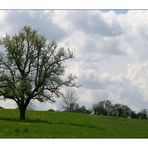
118,11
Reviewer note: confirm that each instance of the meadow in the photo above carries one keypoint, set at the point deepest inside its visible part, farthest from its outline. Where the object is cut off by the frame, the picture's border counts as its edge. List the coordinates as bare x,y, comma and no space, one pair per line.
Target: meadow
45,124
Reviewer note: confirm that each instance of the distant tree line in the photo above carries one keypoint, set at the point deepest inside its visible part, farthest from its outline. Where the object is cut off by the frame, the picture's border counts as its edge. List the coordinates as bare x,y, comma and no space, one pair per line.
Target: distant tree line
105,107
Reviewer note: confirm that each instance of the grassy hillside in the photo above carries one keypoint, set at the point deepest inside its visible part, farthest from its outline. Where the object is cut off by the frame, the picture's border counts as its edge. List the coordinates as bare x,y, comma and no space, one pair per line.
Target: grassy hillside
43,124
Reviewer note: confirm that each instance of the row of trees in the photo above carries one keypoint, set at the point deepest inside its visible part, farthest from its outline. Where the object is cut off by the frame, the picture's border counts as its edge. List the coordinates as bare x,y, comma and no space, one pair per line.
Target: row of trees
105,107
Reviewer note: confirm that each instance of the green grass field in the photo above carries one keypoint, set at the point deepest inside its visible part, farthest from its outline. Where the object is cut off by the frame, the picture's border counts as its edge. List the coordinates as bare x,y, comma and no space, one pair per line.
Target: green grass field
44,124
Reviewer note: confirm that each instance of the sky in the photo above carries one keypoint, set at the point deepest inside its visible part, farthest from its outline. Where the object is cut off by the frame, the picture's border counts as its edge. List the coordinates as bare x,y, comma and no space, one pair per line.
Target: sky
111,51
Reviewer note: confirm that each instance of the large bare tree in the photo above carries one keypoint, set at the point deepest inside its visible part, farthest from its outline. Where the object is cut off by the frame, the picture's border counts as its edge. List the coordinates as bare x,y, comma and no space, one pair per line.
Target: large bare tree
32,68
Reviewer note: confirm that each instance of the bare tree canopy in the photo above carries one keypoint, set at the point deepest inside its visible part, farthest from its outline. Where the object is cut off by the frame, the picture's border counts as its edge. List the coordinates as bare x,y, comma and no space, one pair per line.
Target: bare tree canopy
69,100
32,68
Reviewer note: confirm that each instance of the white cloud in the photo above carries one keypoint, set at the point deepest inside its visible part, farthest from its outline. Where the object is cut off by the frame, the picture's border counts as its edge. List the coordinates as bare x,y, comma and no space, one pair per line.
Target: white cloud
39,19
138,73
111,49
3,15
119,89
8,104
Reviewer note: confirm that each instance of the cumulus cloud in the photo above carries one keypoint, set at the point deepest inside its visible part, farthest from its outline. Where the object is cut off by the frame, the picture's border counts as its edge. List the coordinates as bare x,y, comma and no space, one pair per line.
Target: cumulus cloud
110,50
118,89
39,19
92,22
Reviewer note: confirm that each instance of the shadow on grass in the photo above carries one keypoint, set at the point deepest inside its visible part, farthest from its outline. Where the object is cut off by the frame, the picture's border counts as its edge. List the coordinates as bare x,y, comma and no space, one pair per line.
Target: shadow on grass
9,119
51,123
27,120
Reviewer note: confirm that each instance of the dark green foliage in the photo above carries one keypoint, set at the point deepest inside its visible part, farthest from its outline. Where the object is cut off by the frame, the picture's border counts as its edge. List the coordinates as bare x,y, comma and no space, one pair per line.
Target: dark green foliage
102,108
80,109
119,110
51,110
1,107
143,114
83,109
134,115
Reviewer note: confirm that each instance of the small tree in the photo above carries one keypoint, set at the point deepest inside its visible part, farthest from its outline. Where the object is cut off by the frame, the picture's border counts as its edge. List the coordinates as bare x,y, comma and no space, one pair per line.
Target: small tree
107,108
102,108
143,114
32,68
134,115
98,108
126,111
117,110
69,100
121,110
1,107
83,109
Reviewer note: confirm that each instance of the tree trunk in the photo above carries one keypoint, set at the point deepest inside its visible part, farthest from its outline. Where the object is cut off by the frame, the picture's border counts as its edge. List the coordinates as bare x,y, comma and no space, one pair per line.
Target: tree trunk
22,109
22,114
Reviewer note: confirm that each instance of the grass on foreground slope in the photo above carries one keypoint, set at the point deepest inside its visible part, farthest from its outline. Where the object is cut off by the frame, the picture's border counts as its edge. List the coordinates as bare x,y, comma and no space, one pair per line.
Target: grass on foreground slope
44,124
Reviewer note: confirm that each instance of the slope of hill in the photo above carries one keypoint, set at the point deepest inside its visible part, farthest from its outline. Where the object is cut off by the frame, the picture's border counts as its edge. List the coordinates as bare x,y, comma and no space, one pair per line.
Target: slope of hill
44,124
